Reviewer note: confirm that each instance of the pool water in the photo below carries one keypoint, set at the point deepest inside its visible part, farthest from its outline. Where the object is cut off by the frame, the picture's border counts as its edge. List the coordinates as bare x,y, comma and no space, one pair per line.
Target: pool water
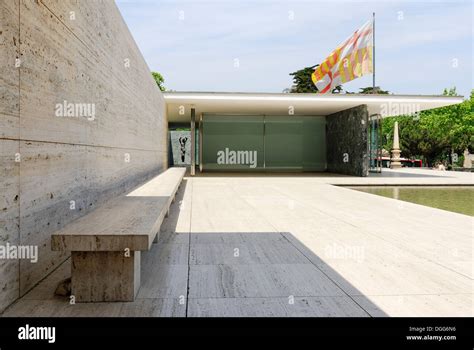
455,199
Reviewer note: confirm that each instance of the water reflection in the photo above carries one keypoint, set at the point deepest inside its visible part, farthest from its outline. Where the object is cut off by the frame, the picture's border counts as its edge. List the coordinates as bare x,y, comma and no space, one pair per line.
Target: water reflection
455,199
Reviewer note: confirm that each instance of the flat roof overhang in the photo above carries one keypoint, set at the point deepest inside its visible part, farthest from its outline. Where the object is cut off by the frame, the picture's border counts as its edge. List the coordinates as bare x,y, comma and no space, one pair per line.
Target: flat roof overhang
179,104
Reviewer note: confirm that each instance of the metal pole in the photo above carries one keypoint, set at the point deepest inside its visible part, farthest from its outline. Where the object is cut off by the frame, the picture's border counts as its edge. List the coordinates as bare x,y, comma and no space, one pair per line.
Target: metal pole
193,141
264,131
200,142
373,52
380,142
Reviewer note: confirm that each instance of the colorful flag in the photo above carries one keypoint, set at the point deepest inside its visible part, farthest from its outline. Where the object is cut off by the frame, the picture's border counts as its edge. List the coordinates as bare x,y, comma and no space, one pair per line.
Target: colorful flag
350,60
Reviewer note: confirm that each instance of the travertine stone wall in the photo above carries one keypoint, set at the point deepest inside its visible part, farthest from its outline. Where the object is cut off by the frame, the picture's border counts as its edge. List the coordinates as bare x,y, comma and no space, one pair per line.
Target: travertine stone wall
346,137
57,168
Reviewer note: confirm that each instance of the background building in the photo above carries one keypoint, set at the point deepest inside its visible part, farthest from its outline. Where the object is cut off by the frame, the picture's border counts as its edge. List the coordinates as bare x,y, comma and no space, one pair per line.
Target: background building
291,132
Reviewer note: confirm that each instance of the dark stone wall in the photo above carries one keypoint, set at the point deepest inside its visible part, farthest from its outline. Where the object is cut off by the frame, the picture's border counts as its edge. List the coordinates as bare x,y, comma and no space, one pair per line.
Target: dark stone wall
346,137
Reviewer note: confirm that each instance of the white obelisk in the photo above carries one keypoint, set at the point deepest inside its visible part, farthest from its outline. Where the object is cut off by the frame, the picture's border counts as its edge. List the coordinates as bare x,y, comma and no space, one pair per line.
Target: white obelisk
395,160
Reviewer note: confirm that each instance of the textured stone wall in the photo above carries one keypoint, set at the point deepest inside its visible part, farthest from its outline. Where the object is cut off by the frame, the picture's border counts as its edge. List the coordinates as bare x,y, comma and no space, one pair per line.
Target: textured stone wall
346,137
55,168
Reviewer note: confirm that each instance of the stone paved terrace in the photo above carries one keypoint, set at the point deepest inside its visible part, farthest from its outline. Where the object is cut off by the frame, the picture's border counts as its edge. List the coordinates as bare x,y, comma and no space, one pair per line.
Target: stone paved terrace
295,245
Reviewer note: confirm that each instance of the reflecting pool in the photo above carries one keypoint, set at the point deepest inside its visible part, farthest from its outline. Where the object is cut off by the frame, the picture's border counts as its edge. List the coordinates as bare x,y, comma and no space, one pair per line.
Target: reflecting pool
455,199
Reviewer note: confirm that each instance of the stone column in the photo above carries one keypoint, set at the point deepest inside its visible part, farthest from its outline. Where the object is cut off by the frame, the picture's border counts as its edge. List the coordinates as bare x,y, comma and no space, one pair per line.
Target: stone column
395,160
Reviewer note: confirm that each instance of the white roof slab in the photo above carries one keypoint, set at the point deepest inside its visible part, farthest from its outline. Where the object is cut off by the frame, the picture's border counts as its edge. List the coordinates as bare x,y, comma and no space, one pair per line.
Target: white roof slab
303,104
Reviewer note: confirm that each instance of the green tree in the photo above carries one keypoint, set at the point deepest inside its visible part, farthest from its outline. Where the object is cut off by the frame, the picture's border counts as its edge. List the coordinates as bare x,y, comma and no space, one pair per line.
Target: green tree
302,82
371,90
436,134
159,80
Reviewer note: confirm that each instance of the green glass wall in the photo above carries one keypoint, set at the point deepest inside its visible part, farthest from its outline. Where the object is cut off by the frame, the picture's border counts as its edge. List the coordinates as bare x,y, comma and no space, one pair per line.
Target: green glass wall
232,133
295,142
278,142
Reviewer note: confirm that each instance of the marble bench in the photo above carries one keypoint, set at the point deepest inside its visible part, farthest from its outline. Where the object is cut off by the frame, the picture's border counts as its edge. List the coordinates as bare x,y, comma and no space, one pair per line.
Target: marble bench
105,244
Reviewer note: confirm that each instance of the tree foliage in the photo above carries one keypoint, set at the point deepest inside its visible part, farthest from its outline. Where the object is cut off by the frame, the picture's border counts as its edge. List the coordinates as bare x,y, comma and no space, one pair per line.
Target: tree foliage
159,80
434,135
371,90
302,82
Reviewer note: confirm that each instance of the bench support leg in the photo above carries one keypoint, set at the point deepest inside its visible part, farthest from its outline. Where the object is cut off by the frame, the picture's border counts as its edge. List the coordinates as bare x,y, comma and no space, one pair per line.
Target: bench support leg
105,276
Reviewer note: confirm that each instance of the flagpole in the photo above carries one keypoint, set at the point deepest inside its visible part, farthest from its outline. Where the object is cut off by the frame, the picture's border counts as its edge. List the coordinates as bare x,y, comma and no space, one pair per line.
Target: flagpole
373,52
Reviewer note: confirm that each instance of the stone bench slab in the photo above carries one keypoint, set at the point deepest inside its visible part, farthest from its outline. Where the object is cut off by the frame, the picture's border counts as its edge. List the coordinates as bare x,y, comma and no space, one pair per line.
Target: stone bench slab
130,221
105,244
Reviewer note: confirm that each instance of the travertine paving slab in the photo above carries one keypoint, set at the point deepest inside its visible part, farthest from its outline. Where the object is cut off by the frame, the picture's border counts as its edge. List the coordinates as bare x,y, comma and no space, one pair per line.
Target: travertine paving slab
396,279
440,236
246,281
174,237
164,254
164,281
452,305
270,252
60,307
236,237
335,252
275,307
376,267
218,208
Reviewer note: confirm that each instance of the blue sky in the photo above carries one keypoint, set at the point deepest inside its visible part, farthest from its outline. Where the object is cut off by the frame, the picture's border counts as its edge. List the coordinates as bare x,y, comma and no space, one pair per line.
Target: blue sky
421,46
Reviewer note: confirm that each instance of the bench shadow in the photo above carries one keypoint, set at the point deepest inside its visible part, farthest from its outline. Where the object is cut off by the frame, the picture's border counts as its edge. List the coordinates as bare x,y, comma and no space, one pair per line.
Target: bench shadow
271,267
269,263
